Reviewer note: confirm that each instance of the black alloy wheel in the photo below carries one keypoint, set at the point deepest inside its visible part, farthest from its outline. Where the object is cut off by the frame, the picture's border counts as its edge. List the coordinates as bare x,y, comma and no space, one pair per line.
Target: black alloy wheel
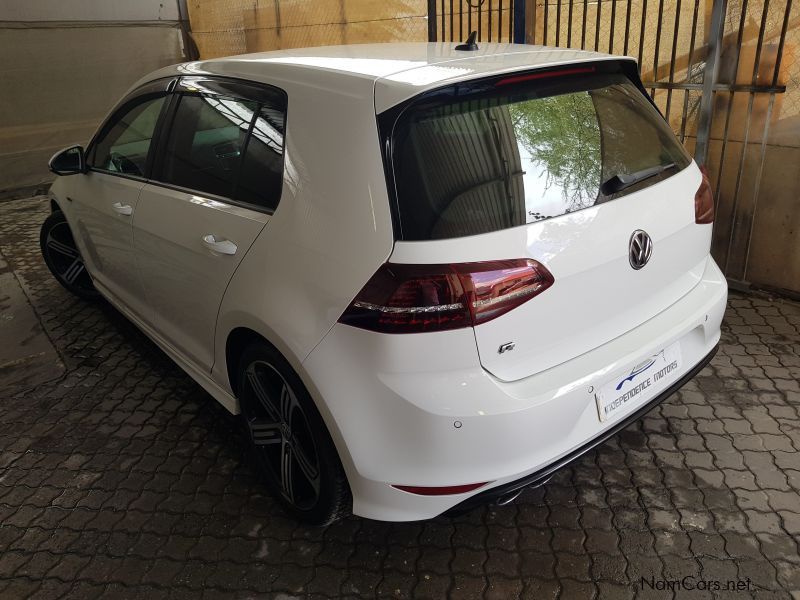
62,257
289,439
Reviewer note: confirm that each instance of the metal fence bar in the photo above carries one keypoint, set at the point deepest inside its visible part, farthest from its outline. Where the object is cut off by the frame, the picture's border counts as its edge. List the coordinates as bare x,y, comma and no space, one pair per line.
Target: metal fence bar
689,71
546,19
684,114
569,30
441,12
742,20
779,56
672,56
431,20
500,22
597,27
658,41
627,27
517,33
613,20
743,156
717,87
709,79
583,32
451,20
558,23
641,32
490,20
479,13
460,19
765,135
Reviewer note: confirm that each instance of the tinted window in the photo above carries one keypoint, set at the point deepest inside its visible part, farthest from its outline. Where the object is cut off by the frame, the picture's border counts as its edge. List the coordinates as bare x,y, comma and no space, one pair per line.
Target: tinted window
123,145
227,147
206,143
520,153
261,176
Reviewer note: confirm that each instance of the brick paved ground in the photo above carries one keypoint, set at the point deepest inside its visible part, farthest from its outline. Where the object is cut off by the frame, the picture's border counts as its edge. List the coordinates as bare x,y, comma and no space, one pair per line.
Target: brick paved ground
121,478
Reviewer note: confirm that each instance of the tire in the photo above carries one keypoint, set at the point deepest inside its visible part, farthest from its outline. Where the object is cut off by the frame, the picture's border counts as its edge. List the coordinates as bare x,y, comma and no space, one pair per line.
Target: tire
62,257
288,438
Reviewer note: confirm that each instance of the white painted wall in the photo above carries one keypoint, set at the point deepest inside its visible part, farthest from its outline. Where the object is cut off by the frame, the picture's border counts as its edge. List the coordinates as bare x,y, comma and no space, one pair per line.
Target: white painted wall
89,10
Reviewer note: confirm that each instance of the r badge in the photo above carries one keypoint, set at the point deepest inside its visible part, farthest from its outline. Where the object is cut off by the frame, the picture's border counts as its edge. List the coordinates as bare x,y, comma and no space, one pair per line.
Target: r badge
507,347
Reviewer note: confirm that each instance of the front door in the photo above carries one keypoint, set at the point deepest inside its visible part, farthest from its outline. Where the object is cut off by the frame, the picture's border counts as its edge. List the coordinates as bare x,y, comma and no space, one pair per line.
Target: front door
105,199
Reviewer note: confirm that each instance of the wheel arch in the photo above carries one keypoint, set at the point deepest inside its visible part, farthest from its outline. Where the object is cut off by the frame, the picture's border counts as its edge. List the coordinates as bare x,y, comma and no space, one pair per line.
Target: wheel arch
238,339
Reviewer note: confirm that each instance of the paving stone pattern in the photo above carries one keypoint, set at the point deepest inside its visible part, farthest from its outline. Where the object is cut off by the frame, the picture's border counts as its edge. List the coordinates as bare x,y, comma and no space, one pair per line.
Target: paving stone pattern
122,478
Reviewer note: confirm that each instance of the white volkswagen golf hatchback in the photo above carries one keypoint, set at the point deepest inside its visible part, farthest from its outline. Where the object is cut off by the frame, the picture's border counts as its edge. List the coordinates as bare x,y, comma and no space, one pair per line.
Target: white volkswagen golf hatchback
425,277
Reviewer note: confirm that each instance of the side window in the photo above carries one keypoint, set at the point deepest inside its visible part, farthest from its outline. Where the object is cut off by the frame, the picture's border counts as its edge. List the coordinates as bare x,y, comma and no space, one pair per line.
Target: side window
261,176
227,147
123,145
206,143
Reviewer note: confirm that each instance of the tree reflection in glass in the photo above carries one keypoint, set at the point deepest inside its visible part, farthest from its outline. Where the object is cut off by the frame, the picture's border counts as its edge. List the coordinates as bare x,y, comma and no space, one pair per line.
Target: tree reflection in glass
559,143
466,166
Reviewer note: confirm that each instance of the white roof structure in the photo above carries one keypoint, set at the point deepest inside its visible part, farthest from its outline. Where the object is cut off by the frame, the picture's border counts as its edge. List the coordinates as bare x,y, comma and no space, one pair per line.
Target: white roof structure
395,71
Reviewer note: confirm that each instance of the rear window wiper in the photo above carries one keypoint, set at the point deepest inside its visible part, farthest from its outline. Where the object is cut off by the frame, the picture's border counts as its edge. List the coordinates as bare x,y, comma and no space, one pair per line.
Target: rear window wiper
617,183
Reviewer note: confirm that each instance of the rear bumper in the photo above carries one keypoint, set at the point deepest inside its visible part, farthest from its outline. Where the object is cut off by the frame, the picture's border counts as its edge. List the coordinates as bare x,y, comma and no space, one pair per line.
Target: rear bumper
420,410
542,475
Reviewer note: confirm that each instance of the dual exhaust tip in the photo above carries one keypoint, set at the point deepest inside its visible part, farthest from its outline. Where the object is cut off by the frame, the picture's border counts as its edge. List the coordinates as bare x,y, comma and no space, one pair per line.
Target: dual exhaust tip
509,497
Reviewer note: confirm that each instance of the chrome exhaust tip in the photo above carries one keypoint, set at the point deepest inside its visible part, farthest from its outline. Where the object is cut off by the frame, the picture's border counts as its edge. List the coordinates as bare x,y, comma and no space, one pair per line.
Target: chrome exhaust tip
511,496
508,498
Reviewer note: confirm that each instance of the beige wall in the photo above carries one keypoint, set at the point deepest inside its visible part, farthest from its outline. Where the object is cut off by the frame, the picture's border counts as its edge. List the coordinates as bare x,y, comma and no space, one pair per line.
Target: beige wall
224,27
774,257
58,83
64,64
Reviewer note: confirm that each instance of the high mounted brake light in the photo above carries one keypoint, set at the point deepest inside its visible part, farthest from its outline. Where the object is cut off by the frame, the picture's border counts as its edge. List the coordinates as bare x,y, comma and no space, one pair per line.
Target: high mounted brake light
543,75
402,298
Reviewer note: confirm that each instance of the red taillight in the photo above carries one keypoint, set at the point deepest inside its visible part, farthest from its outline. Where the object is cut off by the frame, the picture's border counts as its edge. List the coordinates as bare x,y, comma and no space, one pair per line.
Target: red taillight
704,200
543,75
402,298
439,491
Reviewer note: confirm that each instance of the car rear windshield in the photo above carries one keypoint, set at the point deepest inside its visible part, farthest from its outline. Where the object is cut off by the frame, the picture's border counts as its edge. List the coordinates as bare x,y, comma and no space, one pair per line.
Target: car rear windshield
471,159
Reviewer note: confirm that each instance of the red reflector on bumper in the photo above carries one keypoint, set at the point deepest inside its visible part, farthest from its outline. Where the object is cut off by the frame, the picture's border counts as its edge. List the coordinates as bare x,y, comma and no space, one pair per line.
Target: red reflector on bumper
439,491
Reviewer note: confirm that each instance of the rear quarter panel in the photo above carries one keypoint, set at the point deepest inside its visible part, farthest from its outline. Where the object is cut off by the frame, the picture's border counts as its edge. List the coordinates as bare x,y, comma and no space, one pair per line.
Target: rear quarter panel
329,234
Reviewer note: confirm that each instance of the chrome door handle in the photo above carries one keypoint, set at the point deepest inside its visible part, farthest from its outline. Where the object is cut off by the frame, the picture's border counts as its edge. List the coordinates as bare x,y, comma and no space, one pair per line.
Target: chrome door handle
123,209
219,246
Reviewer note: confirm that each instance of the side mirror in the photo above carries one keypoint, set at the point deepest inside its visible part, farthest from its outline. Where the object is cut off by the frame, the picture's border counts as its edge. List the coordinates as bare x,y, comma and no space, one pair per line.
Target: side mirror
68,162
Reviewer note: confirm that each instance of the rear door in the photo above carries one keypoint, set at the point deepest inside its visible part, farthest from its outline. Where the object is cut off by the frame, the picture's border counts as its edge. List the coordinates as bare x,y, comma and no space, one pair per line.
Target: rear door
569,167
218,180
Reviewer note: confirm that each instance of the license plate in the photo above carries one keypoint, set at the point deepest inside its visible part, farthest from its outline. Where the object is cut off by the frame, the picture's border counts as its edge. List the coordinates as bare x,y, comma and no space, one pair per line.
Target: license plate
643,382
